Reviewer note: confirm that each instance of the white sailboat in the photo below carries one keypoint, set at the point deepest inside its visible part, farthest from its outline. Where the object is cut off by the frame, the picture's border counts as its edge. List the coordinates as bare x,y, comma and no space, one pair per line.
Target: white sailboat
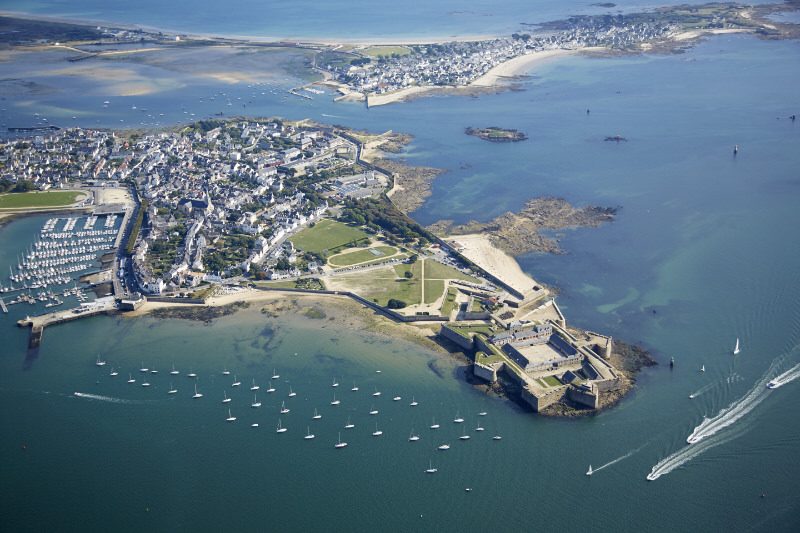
154,371
196,394
736,349
145,383
349,424
172,390
236,382
590,471
292,393
254,386
479,428
444,447
377,432
275,374
335,401
225,399
316,416
497,437
464,435
230,418
340,444
173,371
100,362
271,388
482,413
413,437
114,373
225,371
458,419
377,392
397,398
284,409
144,368
434,425
280,429
355,387
191,375
130,379
309,435
373,411
414,402
255,403
431,469
335,383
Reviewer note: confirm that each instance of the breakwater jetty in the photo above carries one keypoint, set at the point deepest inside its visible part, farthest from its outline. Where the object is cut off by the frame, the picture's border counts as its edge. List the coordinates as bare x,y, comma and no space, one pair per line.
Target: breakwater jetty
38,323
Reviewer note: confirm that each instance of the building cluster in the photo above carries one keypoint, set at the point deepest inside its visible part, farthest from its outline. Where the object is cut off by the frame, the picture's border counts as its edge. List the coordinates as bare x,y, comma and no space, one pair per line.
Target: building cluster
219,198
460,63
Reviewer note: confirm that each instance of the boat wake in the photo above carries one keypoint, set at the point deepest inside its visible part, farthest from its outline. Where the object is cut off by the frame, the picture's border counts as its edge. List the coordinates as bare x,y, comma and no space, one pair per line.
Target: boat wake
787,377
100,398
732,413
615,461
687,453
701,390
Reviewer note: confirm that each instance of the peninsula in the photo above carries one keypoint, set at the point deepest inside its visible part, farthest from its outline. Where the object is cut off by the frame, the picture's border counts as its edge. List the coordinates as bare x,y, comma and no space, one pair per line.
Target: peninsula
223,211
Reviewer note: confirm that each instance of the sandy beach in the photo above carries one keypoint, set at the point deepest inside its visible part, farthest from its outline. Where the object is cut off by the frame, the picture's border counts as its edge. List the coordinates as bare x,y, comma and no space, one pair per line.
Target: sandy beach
517,66
479,249
374,100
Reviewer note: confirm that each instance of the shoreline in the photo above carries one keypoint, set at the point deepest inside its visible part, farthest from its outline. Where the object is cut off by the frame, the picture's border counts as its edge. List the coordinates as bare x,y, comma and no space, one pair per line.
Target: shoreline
255,39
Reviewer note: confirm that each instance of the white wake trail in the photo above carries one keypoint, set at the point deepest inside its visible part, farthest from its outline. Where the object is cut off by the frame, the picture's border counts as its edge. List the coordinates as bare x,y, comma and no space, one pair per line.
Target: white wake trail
787,377
686,454
618,459
704,388
100,398
734,412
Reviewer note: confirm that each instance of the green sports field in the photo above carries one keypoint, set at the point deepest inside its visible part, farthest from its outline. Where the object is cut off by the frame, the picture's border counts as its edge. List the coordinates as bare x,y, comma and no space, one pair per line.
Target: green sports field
20,200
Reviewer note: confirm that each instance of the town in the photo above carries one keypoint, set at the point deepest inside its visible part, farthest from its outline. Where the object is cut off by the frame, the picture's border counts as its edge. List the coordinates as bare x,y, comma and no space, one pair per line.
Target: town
459,64
225,207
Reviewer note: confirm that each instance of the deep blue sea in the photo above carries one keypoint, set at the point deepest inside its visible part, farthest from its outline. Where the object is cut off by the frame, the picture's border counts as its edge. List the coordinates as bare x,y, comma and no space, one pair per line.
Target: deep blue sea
704,250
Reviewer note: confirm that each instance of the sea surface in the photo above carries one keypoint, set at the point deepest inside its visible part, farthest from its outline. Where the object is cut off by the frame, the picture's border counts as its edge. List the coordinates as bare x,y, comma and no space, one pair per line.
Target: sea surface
366,20
704,250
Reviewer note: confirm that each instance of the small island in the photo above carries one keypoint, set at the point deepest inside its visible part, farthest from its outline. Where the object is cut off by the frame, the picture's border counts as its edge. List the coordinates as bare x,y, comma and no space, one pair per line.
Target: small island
496,135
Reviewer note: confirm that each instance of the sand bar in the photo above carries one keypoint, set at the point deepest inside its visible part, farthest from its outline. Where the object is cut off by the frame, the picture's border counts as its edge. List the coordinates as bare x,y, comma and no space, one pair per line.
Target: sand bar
517,66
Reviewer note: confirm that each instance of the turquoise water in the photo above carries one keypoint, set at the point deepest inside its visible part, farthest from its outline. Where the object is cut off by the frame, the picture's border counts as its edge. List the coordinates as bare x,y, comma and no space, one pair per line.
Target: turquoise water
354,19
706,241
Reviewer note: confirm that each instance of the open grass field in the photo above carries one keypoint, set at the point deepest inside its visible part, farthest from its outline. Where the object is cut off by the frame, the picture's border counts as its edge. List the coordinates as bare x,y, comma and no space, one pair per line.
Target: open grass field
327,235
19,200
375,51
367,255
436,270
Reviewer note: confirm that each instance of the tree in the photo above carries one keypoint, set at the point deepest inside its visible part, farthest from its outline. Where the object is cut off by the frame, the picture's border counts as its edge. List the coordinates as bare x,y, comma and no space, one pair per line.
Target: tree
408,274
395,304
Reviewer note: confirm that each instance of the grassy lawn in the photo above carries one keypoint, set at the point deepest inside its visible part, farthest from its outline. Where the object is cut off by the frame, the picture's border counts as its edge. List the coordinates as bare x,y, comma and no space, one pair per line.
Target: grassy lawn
38,199
362,256
433,290
436,270
449,302
327,235
375,51
552,381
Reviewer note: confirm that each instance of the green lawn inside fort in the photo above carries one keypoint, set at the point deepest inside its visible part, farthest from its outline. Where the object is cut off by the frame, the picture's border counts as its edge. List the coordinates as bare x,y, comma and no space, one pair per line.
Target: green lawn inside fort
21,200
328,236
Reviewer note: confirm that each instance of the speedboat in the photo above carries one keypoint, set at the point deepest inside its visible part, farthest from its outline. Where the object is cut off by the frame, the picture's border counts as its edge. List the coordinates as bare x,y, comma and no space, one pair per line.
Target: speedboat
774,384
590,471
